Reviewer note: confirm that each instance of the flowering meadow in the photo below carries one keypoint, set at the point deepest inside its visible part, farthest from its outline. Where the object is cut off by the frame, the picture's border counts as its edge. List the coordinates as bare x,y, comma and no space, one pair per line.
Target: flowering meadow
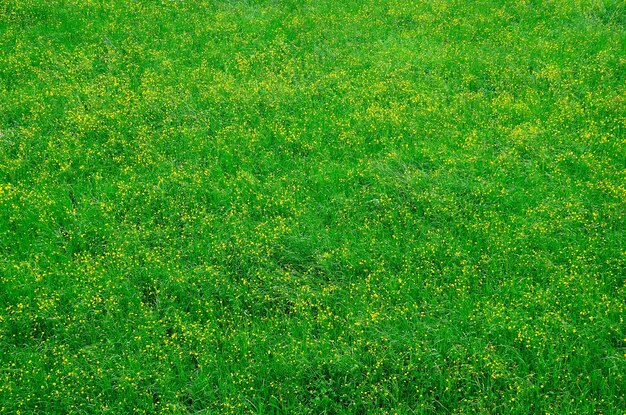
312,207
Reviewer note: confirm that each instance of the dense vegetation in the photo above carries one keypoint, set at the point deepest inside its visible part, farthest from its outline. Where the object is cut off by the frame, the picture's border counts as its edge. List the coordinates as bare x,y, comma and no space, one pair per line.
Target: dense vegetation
312,206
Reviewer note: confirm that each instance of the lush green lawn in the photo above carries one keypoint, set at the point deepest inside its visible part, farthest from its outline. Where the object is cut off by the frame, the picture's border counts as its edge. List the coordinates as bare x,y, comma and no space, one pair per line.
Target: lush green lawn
312,207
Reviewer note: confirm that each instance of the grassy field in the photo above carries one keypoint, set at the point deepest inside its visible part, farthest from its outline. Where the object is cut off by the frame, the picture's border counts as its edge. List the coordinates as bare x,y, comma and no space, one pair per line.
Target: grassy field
312,206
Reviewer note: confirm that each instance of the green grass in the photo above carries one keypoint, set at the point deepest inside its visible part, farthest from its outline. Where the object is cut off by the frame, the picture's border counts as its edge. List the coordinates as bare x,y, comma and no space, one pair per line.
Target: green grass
312,207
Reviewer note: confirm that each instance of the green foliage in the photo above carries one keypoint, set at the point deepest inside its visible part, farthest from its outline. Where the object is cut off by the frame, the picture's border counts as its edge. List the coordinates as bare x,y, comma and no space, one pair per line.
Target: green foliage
309,207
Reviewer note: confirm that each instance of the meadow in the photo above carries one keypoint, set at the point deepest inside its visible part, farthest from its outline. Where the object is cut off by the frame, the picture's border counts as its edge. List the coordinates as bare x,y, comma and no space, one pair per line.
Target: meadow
312,207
